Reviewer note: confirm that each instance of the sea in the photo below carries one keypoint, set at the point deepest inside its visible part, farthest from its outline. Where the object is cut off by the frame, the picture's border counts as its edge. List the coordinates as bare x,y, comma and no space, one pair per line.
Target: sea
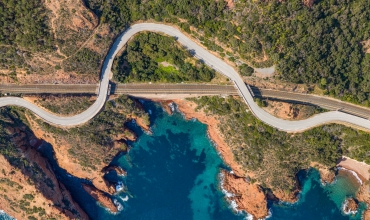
173,173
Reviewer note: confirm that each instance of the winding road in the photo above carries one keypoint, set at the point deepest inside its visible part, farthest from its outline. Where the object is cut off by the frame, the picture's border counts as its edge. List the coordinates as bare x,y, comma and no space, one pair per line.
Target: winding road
210,60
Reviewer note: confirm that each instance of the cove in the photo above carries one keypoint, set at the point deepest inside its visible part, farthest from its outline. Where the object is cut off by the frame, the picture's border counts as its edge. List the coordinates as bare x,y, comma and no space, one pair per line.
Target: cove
173,174
317,201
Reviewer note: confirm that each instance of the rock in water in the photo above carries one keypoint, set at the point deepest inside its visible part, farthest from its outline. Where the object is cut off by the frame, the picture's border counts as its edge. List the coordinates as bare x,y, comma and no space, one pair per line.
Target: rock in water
101,197
350,206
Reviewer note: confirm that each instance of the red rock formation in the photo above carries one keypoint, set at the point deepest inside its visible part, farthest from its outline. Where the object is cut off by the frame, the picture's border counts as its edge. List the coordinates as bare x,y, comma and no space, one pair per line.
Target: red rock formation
248,197
351,206
118,170
101,197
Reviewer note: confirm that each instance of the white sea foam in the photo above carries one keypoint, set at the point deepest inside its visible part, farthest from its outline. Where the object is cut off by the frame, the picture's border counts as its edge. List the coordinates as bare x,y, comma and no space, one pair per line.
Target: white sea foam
269,214
232,202
353,173
150,112
172,107
234,206
350,212
118,205
119,186
5,216
249,217
125,199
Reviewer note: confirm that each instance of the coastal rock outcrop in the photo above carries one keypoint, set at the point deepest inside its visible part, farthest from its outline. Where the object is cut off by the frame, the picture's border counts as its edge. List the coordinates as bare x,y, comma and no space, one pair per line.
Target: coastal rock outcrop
168,106
31,179
286,196
247,197
363,195
117,169
350,206
101,197
327,175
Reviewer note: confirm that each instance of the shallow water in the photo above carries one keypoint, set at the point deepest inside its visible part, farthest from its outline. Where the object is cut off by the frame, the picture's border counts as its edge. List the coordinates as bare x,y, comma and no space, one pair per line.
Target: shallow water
172,174
4,216
317,201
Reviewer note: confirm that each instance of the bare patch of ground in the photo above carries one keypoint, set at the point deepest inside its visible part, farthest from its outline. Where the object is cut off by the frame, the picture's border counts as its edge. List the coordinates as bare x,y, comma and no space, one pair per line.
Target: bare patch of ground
75,28
264,72
366,45
230,4
72,23
14,187
362,169
289,111
272,83
29,187
308,3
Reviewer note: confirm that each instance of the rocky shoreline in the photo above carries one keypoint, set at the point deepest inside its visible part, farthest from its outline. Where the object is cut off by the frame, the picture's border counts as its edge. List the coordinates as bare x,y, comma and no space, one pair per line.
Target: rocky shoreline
100,189
37,181
242,193
238,190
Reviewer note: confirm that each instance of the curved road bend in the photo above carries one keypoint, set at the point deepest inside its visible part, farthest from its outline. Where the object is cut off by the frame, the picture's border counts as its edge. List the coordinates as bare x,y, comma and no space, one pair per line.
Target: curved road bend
210,60
143,89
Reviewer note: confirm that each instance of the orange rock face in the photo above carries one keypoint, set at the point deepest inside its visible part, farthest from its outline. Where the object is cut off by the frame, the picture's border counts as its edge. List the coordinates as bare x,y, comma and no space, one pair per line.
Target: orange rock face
248,197
100,196
363,195
352,205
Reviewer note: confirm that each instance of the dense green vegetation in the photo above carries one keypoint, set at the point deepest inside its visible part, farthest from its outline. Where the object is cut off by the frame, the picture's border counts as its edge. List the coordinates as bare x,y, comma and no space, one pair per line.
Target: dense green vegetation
277,156
11,59
84,61
157,58
24,24
64,104
321,45
93,143
318,45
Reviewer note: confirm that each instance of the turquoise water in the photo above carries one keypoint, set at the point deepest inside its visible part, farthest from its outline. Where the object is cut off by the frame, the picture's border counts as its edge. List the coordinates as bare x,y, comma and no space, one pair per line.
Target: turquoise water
172,174
317,201
4,216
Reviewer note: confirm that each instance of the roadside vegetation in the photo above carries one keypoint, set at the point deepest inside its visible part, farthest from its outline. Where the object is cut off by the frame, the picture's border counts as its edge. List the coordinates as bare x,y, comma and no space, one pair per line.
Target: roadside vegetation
276,156
95,142
65,104
316,43
84,61
25,25
152,57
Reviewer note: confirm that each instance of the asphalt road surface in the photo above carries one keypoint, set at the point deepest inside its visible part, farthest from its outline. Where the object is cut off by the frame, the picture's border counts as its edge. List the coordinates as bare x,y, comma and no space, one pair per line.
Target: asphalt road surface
210,60
189,89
